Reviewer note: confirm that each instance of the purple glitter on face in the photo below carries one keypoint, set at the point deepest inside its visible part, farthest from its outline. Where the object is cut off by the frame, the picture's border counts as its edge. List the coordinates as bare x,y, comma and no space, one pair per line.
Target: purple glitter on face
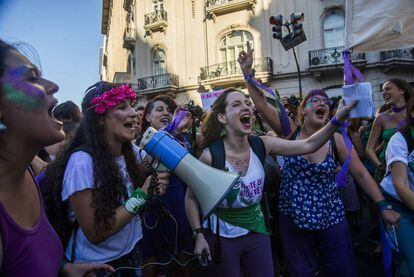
15,79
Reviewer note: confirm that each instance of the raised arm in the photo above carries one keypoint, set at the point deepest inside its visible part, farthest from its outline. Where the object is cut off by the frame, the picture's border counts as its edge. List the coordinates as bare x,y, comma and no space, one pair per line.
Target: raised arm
269,112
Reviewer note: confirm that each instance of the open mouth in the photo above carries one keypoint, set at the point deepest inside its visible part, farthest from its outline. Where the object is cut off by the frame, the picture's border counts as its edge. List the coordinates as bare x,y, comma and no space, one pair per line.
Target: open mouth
165,121
386,97
320,112
246,120
50,112
130,125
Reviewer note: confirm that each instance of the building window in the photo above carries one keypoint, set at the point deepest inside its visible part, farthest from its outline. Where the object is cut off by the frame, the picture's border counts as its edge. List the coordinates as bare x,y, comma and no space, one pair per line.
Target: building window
333,29
231,44
159,62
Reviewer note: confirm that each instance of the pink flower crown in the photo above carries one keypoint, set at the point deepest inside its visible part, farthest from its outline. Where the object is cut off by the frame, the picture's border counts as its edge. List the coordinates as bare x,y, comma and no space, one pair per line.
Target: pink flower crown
109,99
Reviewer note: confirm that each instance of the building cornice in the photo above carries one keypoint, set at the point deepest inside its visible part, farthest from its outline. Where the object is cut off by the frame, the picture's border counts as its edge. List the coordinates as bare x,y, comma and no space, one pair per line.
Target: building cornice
106,4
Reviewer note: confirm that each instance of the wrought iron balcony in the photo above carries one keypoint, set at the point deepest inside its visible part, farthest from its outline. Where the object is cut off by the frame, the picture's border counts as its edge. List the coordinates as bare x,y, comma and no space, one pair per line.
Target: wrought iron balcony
232,68
166,81
331,56
402,54
217,7
123,78
397,59
156,21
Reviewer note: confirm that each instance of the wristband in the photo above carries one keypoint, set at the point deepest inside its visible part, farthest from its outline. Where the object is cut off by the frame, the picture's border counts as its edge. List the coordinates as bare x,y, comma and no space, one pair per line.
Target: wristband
383,205
137,199
335,122
250,75
197,231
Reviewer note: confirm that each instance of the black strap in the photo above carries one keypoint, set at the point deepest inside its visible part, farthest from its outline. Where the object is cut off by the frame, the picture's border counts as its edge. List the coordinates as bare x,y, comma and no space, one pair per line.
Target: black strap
256,143
408,138
218,156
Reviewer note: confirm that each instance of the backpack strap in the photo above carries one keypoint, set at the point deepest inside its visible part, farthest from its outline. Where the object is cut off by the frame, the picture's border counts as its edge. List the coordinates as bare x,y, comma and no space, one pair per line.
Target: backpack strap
256,143
408,138
218,155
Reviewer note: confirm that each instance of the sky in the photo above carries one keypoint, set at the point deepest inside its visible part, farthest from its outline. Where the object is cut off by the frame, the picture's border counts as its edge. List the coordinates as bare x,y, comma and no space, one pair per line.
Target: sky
66,35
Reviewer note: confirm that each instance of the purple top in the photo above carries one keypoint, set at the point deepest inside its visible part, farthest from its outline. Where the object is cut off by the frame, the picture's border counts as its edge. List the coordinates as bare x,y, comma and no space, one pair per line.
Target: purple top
36,251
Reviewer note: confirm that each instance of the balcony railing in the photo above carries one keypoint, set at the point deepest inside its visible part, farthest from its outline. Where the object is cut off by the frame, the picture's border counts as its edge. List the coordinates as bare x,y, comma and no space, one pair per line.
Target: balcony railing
403,54
123,78
157,82
211,3
331,56
156,16
232,68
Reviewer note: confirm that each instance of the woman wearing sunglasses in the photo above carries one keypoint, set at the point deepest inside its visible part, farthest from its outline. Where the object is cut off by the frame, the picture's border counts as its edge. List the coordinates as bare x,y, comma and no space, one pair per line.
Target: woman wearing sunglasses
312,222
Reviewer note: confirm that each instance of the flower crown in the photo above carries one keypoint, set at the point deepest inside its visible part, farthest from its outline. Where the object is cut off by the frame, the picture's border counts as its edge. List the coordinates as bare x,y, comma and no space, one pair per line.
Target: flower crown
109,99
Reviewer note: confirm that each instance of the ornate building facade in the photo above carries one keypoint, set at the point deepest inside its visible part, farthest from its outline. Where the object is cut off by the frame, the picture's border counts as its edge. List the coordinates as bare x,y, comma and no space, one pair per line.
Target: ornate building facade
184,47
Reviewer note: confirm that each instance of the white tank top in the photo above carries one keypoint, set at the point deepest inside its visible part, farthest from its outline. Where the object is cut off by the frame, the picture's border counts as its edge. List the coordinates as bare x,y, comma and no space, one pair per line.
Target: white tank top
246,192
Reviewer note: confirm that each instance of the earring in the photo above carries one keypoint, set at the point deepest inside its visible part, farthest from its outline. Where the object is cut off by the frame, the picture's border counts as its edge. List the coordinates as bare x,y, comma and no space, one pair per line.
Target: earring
3,128
223,132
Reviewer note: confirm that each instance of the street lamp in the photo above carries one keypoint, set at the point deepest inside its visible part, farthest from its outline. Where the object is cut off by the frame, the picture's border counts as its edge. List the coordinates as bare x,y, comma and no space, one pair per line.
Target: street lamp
295,36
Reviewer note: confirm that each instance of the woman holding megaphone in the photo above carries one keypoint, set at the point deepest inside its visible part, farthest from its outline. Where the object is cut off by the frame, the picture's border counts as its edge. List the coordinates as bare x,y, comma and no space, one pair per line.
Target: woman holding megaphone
244,241
312,219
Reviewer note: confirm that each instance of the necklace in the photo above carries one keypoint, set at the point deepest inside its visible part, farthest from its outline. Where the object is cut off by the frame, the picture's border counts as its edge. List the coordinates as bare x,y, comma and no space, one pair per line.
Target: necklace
398,109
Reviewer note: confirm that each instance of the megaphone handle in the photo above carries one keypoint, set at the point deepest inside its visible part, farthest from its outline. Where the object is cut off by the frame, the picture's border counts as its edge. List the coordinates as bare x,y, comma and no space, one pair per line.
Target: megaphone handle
217,242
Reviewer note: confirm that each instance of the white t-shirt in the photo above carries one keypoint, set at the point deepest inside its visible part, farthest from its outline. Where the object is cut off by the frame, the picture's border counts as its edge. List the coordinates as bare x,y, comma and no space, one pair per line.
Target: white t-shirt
246,192
79,176
397,151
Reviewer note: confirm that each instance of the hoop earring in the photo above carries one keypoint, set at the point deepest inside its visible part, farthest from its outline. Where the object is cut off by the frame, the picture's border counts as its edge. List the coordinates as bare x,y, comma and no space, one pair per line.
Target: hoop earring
3,128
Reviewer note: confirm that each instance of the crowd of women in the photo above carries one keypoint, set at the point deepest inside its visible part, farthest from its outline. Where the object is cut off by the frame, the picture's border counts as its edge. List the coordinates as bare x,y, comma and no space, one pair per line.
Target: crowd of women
78,197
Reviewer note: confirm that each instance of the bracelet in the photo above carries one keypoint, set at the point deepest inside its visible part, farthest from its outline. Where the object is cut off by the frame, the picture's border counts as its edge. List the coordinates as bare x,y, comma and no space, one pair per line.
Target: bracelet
249,76
197,231
383,205
335,122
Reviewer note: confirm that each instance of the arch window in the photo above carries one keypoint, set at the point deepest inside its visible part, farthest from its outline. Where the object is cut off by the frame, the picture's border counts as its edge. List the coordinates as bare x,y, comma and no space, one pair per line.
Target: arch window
230,45
334,30
159,62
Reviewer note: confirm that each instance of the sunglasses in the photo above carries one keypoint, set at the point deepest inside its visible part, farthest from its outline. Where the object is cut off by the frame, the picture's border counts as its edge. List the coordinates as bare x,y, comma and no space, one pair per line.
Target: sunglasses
319,100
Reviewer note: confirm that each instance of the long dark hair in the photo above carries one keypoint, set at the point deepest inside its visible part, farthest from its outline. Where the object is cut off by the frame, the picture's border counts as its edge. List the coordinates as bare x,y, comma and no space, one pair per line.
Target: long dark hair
212,127
108,192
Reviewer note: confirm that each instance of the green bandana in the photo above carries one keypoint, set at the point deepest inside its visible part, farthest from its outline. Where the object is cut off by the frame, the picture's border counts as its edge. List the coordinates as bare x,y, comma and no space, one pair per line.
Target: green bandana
250,218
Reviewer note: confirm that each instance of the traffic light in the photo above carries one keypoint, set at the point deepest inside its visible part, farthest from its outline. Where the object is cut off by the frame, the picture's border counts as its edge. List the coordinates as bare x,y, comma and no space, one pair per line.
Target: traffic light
297,28
277,22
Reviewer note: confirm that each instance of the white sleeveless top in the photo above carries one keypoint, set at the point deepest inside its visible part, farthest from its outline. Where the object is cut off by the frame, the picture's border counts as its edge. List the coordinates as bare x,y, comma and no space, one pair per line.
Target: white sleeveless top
247,191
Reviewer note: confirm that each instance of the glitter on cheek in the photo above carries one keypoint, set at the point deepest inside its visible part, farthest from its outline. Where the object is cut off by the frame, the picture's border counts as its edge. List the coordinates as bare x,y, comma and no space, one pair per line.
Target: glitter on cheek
309,105
20,99
20,92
